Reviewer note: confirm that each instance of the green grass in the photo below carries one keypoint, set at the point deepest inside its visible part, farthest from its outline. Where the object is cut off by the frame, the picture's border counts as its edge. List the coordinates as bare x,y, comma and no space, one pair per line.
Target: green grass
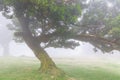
27,69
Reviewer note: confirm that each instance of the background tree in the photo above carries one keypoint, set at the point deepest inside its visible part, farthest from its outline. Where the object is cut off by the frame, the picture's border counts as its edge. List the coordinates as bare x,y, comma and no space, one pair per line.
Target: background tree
4,42
58,23
5,39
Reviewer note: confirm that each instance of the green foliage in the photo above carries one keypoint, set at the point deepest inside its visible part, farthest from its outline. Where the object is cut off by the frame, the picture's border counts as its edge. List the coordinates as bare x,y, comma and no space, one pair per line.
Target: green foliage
61,16
50,8
115,26
46,15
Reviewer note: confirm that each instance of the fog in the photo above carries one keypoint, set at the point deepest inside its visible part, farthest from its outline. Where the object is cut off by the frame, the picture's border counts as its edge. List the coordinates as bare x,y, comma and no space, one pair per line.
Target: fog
21,49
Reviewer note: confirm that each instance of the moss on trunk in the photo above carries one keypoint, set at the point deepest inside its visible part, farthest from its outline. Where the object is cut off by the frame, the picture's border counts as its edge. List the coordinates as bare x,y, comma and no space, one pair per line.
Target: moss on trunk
48,69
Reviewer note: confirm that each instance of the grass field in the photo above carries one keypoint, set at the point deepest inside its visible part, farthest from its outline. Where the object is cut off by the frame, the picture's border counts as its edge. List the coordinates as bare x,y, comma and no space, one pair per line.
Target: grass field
24,68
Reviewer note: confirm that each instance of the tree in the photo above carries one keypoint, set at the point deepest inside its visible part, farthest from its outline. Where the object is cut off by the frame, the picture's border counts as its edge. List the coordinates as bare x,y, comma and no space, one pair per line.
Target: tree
44,21
53,23
5,40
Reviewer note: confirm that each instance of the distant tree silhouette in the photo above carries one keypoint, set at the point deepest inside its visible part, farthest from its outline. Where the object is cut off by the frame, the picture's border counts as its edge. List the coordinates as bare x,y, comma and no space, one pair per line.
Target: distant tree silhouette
5,39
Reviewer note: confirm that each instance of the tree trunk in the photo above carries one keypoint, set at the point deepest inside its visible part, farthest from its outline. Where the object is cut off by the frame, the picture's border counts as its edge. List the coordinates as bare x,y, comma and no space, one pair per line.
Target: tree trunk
5,50
47,65
48,69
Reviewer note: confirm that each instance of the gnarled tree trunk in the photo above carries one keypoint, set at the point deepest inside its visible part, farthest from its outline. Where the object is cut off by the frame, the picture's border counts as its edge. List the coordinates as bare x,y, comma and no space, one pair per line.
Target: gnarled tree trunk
47,65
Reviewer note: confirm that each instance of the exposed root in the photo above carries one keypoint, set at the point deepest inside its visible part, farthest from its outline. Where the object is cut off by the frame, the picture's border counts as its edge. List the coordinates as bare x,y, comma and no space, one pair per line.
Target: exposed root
54,74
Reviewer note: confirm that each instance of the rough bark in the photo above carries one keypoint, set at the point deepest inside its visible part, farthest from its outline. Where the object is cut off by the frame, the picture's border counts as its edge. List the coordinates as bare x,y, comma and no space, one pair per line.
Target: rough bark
47,65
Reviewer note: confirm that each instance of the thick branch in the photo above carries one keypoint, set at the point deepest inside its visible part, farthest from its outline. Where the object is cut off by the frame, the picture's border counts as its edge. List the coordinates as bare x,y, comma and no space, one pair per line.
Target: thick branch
82,36
99,42
102,43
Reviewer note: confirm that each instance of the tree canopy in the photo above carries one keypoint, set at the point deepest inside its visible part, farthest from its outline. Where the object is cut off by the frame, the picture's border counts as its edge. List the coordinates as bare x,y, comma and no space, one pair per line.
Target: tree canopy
49,20
53,18
101,19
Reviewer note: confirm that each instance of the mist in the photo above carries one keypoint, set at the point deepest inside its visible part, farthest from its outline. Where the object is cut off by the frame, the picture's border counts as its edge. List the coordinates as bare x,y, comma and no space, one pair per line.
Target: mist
21,49
59,40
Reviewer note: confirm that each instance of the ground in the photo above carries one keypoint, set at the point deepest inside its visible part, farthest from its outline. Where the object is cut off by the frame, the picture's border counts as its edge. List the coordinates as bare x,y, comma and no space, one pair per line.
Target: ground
26,68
